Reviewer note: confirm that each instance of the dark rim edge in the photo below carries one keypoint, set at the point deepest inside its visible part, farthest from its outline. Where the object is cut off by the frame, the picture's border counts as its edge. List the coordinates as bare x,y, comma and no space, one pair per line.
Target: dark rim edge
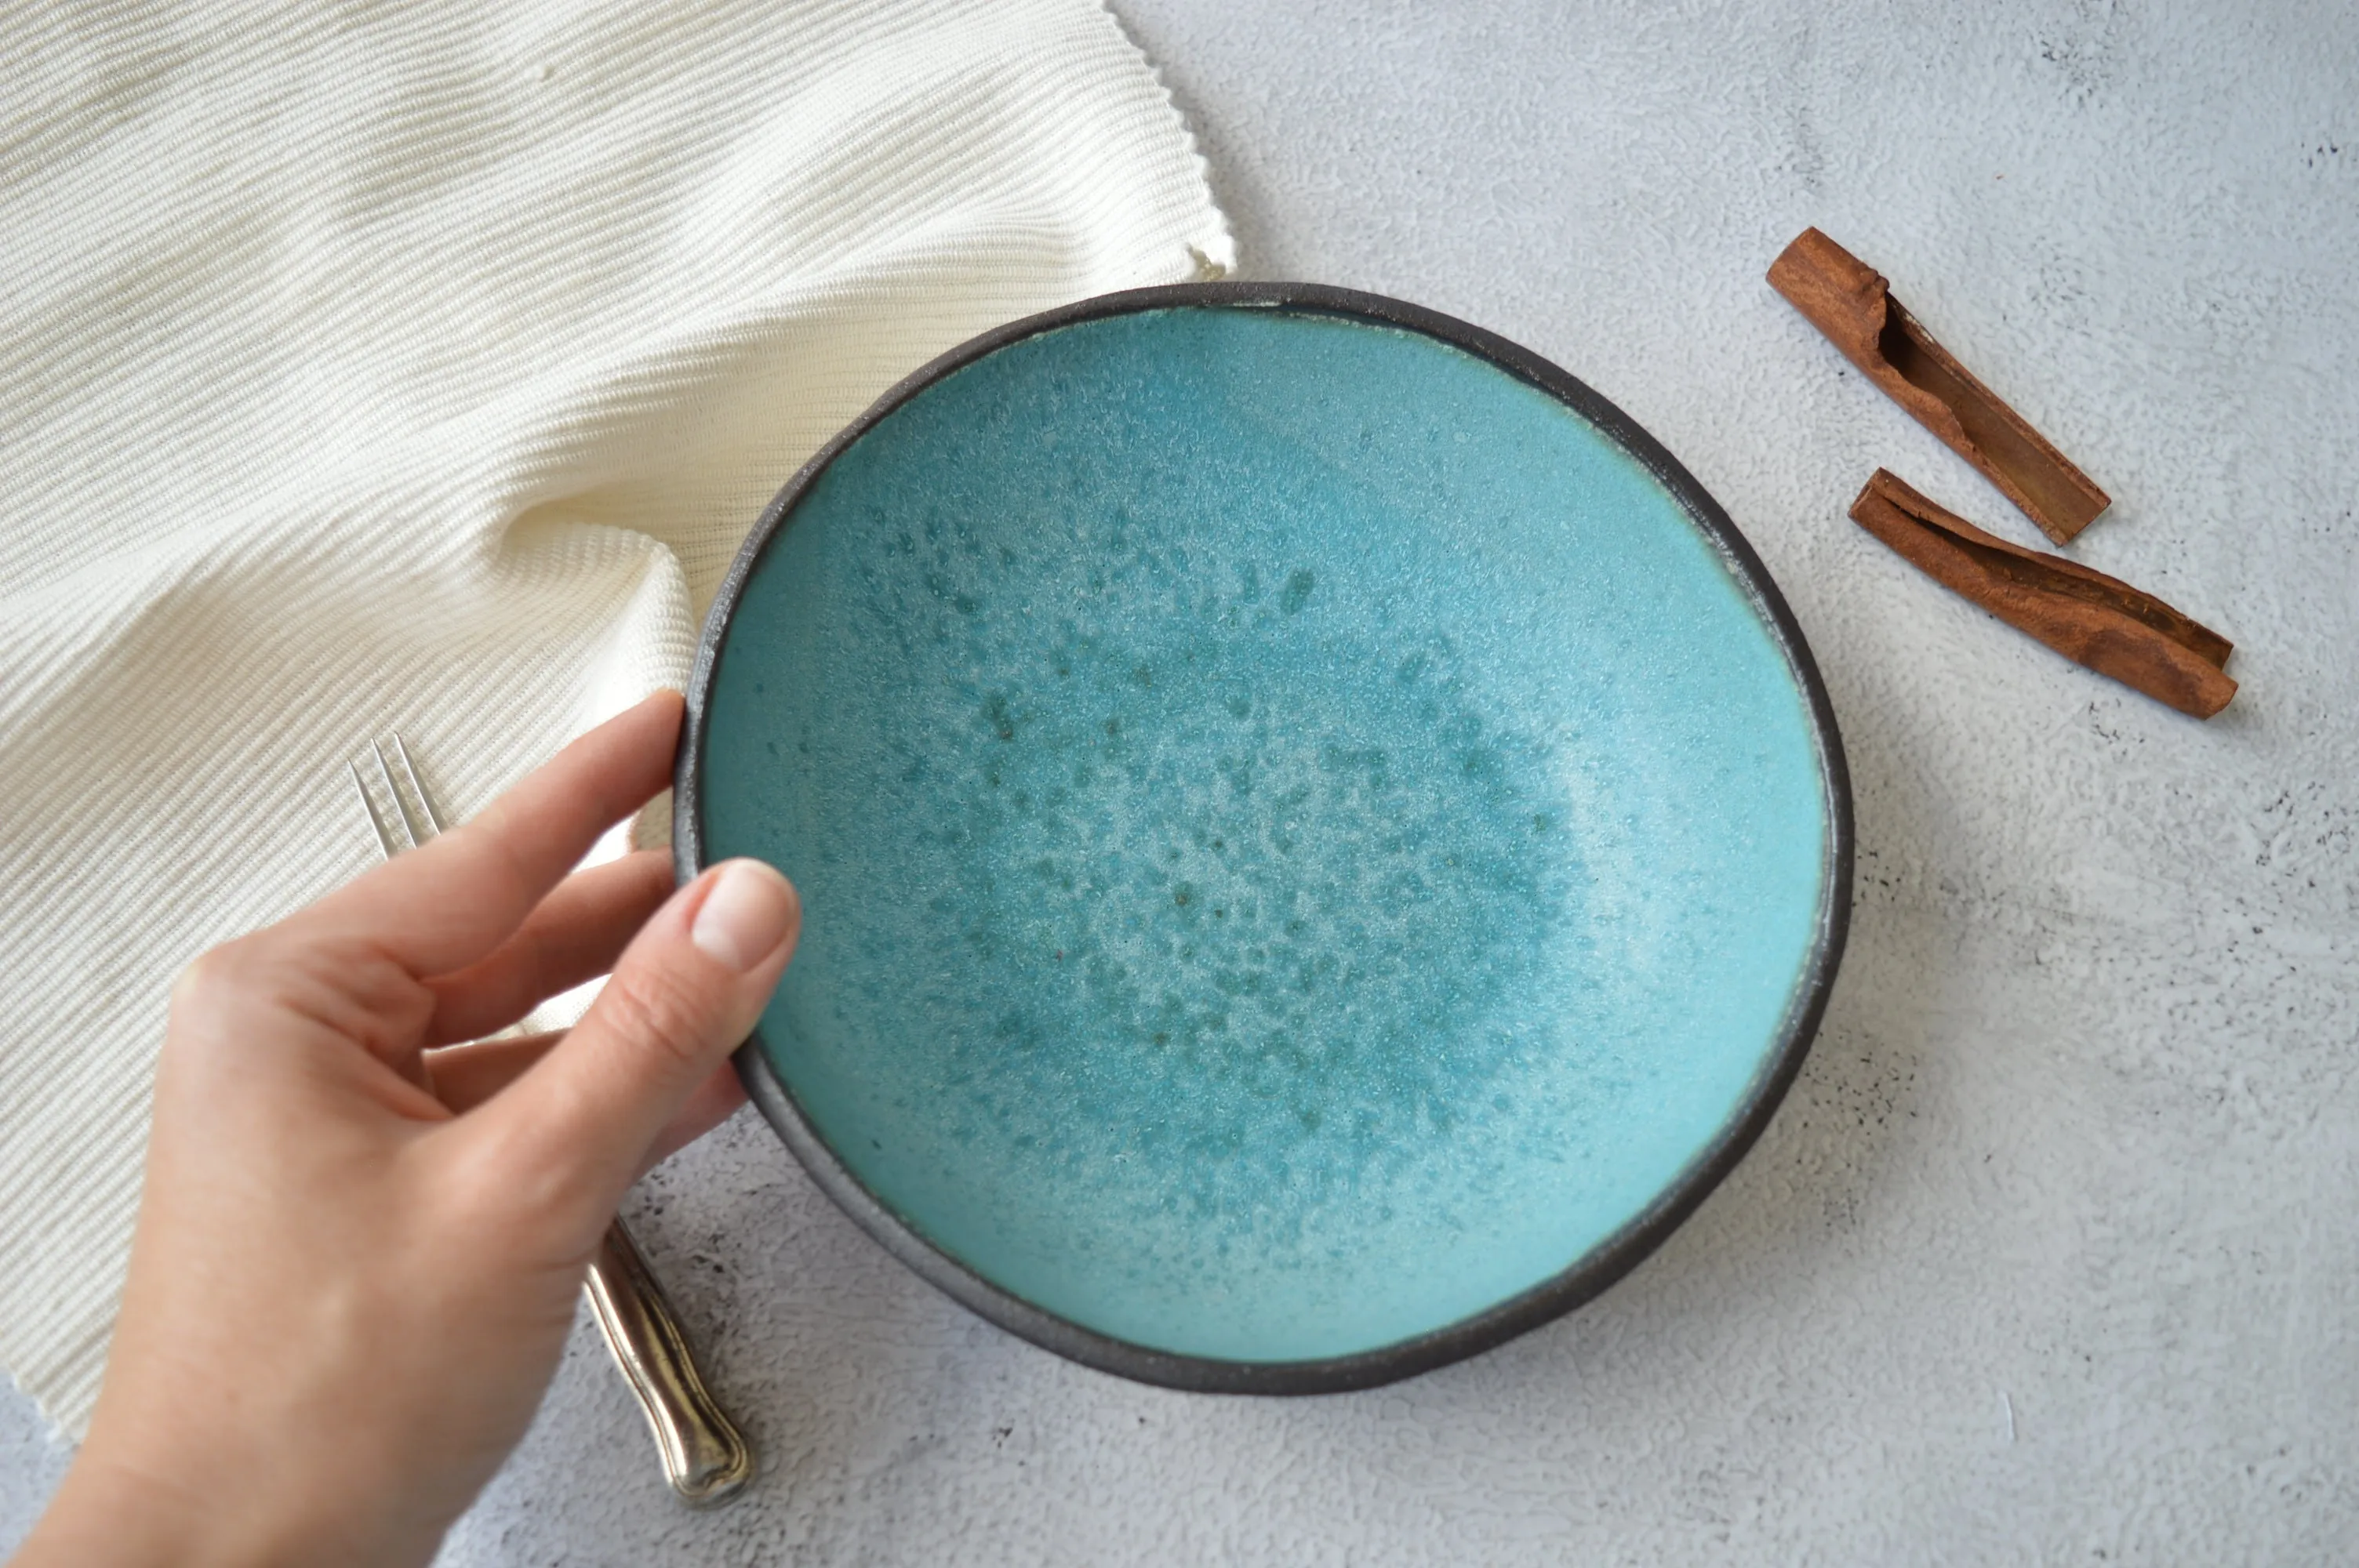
1552,1298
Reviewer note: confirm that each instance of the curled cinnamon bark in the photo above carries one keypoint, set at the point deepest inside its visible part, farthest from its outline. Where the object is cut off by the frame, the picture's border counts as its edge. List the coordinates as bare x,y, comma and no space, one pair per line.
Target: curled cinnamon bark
1852,304
2095,620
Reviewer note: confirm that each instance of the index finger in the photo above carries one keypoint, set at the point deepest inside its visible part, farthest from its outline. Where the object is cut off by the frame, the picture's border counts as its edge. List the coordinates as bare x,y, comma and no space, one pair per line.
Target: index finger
455,898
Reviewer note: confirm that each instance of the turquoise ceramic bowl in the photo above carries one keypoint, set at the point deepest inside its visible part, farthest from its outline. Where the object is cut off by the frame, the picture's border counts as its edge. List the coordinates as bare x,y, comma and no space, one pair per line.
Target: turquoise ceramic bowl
1320,842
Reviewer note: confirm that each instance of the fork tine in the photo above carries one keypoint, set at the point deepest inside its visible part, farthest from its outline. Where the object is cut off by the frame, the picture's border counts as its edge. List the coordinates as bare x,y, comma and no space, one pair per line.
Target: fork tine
410,840
376,823
417,786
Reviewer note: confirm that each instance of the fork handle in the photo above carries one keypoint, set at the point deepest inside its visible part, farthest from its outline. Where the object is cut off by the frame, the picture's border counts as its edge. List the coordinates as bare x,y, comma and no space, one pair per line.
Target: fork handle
705,1457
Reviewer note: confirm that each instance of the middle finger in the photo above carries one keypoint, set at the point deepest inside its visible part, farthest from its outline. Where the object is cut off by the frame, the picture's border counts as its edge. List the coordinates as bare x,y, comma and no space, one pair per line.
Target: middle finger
574,934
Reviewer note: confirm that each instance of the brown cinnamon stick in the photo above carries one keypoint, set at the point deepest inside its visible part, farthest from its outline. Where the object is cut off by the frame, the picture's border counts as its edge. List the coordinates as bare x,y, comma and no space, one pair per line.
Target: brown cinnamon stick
1852,304
2099,621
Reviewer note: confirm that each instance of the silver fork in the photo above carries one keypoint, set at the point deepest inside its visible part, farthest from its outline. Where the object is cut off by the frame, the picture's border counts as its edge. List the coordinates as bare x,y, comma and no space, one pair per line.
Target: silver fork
705,1458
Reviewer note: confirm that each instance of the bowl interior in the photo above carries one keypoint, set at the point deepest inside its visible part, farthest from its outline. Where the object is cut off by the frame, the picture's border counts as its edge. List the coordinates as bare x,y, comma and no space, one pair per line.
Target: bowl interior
1305,837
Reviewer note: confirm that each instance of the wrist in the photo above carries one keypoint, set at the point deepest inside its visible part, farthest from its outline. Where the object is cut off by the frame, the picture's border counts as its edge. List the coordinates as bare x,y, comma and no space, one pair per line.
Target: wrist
115,1513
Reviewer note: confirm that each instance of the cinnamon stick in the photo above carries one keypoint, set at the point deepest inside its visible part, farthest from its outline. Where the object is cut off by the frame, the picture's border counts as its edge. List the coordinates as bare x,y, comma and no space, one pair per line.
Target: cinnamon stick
2099,621
1852,304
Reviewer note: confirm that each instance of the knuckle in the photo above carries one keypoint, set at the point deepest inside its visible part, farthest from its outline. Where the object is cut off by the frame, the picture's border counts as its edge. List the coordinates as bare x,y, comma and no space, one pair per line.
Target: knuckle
660,1010
215,978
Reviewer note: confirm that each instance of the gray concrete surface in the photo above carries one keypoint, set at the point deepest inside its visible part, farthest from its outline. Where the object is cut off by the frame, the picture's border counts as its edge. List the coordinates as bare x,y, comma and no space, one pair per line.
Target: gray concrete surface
2051,1255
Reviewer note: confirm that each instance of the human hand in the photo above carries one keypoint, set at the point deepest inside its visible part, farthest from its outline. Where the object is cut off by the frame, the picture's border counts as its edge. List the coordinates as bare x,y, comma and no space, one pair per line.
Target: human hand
358,1255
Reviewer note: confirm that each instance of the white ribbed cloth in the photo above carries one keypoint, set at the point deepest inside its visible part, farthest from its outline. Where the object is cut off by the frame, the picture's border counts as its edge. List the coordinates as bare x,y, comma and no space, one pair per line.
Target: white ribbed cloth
421,368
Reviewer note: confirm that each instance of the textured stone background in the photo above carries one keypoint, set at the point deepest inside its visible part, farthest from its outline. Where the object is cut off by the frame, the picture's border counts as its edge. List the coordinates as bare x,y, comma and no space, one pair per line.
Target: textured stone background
2052,1255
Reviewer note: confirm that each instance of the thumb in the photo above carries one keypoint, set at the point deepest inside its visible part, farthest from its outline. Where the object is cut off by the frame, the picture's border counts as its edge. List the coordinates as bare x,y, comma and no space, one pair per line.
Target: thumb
686,993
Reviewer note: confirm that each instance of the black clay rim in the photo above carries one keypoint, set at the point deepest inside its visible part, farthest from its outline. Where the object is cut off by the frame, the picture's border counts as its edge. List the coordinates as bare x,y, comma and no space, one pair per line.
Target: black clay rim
1547,1300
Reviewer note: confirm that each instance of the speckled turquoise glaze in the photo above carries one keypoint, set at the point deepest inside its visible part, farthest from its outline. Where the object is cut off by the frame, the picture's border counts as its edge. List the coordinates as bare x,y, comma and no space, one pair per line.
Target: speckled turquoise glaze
1302,839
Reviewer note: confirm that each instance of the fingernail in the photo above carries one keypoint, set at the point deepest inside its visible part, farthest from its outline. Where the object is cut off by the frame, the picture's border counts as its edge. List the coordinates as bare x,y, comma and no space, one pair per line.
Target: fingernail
745,915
